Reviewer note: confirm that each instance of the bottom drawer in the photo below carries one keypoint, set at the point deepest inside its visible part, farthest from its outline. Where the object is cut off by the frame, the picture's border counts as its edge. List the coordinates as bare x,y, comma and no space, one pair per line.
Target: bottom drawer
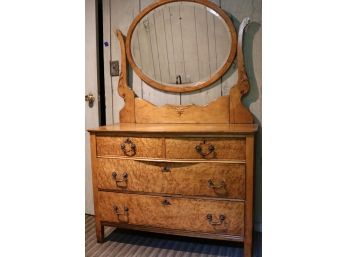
197,215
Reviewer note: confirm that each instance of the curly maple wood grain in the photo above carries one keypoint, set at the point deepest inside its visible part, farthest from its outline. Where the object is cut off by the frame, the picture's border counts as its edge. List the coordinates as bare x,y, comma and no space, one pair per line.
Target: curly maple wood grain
145,147
238,112
215,112
225,148
190,179
180,213
127,113
179,129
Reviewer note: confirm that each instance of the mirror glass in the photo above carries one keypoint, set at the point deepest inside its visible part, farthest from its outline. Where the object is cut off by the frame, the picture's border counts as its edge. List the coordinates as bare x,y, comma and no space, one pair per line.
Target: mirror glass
181,43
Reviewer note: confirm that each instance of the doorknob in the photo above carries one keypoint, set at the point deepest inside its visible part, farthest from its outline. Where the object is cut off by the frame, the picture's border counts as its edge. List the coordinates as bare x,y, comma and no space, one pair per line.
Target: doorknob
90,99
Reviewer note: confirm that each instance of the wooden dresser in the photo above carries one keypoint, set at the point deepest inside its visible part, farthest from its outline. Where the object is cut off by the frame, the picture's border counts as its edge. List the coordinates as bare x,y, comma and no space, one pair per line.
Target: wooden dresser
178,169
194,180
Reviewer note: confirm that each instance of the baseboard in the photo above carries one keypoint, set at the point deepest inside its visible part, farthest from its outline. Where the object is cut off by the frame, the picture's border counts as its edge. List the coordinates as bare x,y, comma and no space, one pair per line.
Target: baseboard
258,227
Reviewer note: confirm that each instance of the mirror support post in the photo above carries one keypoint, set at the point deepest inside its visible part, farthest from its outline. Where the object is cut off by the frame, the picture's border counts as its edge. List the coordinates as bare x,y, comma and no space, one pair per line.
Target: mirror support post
127,113
238,112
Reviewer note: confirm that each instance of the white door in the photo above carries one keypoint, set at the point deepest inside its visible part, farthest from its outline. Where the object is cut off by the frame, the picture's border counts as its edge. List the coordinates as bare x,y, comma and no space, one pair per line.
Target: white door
91,87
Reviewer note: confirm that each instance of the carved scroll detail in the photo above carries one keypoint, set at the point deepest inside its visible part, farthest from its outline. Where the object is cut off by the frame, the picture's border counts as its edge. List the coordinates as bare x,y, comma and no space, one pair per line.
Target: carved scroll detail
238,112
215,112
127,113
180,109
224,110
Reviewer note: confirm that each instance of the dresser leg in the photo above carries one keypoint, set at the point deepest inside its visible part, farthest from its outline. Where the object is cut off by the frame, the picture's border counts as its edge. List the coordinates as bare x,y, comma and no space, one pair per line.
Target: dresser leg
99,228
248,249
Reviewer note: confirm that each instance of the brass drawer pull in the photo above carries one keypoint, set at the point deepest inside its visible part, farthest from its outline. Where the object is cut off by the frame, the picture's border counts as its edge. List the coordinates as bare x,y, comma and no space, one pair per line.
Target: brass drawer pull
118,213
165,169
124,177
165,202
216,186
210,147
221,220
128,147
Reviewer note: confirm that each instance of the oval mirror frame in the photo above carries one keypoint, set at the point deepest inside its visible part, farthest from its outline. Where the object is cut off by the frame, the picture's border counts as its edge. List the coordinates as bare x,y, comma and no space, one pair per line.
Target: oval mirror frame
183,87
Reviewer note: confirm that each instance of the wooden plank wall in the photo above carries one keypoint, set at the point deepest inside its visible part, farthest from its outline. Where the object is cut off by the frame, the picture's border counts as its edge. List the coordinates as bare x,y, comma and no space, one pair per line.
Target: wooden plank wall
180,38
120,13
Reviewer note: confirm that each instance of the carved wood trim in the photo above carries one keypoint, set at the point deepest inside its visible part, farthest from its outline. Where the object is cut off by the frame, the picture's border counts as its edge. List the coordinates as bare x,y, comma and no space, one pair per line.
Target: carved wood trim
215,112
224,110
127,113
156,160
238,112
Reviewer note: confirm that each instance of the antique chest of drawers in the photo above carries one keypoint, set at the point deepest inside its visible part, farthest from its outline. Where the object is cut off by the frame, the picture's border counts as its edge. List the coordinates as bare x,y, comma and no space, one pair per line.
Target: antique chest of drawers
193,180
178,169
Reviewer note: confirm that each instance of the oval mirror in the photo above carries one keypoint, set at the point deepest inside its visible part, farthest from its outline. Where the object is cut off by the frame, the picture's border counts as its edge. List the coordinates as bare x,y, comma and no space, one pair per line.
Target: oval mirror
181,46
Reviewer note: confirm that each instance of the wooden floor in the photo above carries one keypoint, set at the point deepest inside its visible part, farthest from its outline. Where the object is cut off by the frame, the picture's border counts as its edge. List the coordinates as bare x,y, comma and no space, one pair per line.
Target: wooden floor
127,243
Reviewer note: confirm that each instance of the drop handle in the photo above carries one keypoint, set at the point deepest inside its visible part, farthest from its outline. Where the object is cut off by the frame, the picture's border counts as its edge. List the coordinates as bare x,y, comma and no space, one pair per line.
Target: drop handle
128,147
211,184
165,202
215,223
124,177
210,148
118,213
165,169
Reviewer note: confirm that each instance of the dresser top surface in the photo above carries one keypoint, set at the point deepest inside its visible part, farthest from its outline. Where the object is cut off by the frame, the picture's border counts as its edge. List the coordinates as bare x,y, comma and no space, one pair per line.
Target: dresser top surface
178,128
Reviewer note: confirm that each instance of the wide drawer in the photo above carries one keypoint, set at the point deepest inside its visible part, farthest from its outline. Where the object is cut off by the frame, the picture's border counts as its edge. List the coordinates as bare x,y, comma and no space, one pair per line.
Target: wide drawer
129,146
201,179
173,213
205,148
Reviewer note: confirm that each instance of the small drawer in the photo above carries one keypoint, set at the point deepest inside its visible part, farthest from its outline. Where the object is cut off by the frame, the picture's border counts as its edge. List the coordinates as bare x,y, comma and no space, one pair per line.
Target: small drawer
205,148
225,180
197,215
129,146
